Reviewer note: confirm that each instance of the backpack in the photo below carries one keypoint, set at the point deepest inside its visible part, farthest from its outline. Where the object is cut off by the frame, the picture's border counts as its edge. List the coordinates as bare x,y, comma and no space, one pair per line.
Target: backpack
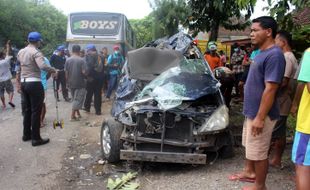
98,66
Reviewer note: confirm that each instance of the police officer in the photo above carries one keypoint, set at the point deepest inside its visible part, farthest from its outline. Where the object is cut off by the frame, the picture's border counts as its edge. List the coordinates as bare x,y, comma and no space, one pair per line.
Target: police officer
31,61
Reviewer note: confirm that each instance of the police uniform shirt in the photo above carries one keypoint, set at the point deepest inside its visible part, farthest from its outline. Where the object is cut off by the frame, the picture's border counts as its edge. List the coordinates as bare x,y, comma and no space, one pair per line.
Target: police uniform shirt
31,61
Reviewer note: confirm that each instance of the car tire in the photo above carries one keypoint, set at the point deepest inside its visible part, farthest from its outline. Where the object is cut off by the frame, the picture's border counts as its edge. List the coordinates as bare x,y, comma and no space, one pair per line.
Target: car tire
227,151
110,142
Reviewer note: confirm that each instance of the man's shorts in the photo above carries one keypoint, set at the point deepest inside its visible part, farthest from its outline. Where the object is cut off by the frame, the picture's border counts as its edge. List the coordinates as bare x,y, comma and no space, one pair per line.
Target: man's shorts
6,86
78,97
301,149
256,148
280,128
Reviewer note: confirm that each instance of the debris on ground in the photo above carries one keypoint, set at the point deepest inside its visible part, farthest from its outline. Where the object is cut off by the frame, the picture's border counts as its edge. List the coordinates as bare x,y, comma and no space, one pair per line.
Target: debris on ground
101,162
85,156
123,183
81,168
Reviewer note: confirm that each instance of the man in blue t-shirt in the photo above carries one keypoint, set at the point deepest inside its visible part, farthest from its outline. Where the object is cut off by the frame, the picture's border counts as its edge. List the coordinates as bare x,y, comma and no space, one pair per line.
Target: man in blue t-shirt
115,64
260,104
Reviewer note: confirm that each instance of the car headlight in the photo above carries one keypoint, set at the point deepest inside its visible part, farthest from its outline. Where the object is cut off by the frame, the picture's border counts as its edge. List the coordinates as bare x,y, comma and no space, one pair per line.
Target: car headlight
217,121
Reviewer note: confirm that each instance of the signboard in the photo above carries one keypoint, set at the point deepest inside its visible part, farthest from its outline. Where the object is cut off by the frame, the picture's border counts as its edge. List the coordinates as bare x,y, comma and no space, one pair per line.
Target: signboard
95,24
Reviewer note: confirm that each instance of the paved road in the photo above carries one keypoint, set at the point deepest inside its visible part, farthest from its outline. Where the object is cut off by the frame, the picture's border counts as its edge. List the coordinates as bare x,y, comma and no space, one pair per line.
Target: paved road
23,166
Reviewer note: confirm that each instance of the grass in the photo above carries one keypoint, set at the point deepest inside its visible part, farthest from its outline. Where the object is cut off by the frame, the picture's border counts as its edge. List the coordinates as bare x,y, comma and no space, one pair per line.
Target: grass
291,125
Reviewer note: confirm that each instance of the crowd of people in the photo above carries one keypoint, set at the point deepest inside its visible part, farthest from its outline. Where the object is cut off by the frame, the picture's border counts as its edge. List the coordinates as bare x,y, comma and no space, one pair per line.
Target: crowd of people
267,72
233,74
84,75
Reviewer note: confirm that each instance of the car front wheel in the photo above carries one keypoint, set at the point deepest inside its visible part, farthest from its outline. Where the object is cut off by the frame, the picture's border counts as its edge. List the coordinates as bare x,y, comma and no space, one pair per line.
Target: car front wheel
111,131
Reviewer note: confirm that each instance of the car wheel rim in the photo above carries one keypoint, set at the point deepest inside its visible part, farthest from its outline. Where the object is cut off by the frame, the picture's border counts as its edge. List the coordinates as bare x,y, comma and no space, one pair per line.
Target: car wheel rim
106,141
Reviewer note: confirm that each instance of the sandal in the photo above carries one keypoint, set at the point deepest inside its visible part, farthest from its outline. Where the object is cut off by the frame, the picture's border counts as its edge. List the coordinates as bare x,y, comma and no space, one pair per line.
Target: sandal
74,119
12,105
237,177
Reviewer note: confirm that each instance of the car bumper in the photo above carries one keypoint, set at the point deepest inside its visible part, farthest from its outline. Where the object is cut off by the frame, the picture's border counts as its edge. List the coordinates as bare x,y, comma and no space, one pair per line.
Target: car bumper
171,157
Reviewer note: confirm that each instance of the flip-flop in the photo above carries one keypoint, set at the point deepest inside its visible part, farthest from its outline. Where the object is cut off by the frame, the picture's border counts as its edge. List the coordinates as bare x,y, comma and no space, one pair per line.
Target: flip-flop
74,119
12,105
281,167
236,177
246,188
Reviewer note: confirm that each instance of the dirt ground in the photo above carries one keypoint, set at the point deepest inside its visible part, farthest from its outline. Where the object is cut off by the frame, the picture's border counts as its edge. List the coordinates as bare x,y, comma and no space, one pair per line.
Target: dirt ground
77,173
72,159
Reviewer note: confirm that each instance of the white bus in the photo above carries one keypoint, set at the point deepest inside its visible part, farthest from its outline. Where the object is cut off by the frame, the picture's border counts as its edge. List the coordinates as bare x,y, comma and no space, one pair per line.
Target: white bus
101,29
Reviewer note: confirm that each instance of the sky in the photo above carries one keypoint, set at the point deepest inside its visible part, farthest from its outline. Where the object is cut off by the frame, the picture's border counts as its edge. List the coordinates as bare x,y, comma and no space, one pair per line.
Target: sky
133,9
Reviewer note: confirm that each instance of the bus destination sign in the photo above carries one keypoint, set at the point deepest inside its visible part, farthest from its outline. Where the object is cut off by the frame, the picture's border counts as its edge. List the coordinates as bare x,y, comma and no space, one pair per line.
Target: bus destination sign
95,24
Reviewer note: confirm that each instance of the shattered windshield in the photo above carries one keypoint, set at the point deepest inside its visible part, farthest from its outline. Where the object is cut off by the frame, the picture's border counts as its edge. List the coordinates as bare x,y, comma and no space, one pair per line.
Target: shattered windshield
188,81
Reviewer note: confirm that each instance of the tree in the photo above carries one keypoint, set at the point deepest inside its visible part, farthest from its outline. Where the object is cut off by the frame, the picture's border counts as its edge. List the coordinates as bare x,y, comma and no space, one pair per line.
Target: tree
142,29
51,23
210,15
282,11
168,14
19,17
14,21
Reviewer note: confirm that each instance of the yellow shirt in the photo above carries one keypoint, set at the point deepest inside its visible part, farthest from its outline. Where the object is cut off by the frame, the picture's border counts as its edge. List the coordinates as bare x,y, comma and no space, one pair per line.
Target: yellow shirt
303,117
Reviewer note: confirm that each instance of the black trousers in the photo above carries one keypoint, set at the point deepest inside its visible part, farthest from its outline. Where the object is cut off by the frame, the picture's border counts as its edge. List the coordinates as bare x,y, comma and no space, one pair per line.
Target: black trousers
32,100
93,88
238,77
226,89
61,80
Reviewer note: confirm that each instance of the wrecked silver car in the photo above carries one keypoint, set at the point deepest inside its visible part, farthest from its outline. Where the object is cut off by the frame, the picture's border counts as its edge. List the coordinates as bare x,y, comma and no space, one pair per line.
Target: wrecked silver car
168,107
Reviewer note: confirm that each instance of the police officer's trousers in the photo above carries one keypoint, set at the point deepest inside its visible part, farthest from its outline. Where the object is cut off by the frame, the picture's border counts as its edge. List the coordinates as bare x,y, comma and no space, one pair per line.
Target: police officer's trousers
33,97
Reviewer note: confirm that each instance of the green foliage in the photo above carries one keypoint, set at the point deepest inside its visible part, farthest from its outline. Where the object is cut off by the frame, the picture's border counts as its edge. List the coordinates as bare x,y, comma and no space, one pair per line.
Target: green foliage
301,40
168,14
19,17
210,15
163,21
142,29
280,10
303,34
291,125
123,183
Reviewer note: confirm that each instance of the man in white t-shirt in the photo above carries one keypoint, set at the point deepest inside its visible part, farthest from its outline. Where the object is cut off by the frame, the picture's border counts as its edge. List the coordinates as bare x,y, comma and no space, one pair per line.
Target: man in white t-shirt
5,76
285,94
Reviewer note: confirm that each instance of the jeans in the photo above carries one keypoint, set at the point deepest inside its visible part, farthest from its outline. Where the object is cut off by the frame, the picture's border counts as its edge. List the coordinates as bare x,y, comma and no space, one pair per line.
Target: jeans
112,85
32,100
